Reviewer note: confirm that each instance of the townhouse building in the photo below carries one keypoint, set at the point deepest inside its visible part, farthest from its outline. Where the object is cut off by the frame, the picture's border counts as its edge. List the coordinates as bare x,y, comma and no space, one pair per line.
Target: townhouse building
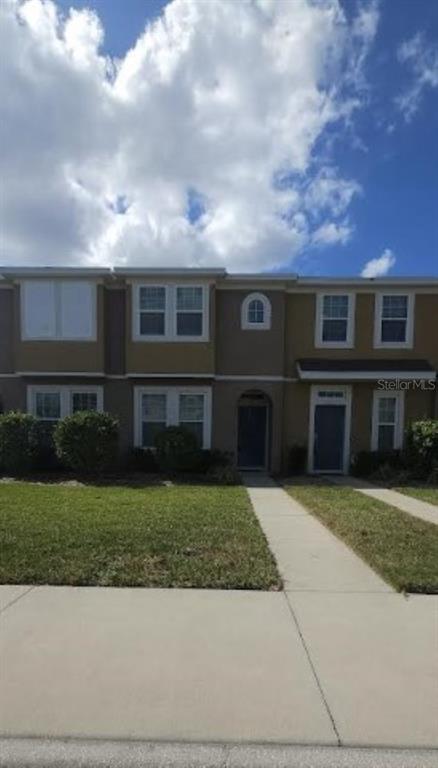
253,364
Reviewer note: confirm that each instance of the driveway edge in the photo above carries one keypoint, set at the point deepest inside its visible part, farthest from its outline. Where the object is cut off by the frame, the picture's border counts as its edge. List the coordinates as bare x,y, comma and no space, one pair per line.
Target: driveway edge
94,753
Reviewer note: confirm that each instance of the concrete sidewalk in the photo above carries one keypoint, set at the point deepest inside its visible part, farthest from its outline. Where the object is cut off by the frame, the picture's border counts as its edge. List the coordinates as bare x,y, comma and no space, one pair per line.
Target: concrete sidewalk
357,669
336,659
415,507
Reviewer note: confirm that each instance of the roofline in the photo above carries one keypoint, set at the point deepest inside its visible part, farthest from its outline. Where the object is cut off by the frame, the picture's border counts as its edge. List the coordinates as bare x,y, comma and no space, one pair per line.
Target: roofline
168,271
371,281
11,272
294,280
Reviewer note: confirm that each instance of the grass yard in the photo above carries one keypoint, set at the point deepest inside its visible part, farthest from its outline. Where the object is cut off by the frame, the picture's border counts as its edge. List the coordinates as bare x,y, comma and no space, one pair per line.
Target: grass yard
422,492
155,536
401,548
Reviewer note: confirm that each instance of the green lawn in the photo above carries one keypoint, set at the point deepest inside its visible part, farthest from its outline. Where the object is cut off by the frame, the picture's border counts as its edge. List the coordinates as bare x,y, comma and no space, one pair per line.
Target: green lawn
422,492
401,548
154,536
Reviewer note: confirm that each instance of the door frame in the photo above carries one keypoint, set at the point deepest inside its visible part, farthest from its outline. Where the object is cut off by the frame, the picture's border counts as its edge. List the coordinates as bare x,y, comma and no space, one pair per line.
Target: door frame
262,467
317,399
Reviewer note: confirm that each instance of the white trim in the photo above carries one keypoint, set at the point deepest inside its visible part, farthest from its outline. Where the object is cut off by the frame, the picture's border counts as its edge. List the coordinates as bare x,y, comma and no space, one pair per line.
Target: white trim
58,374
253,377
246,325
319,321
399,397
364,375
170,313
314,401
57,288
172,402
378,304
65,392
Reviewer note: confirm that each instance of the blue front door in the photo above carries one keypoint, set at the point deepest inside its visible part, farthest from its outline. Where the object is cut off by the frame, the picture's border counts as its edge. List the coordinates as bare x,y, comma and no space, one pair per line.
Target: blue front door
251,447
328,452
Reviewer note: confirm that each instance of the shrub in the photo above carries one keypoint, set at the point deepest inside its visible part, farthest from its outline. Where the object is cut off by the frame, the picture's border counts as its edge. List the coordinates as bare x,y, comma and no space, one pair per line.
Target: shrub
87,441
422,446
18,441
224,474
178,450
143,460
366,463
297,460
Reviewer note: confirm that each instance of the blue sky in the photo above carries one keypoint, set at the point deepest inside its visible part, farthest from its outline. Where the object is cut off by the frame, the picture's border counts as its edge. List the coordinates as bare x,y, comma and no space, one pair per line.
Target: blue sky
388,155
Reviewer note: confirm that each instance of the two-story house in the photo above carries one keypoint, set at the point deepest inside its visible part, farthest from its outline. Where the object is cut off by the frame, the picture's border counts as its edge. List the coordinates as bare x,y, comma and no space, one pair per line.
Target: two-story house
253,364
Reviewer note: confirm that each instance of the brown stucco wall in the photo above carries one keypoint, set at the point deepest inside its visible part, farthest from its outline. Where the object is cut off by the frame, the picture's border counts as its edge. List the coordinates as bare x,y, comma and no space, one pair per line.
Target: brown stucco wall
59,356
115,330
169,357
245,352
12,395
300,324
6,330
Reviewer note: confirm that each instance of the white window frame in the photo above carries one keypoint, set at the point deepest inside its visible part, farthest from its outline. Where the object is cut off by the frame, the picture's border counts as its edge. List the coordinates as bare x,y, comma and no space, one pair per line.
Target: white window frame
58,336
65,392
399,417
319,321
378,307
316,399
245,323
172,405
170,322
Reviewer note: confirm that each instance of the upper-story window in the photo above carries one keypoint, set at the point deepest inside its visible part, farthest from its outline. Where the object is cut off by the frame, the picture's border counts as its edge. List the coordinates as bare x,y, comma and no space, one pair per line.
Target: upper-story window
170,313
256,312
394,320
334,324
58,310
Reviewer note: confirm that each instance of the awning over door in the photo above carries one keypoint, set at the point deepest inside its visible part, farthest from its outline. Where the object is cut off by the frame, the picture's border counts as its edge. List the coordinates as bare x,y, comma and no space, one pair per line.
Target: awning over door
317,369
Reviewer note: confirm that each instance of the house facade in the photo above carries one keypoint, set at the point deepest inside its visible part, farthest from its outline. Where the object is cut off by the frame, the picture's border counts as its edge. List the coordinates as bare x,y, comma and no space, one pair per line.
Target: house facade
253,364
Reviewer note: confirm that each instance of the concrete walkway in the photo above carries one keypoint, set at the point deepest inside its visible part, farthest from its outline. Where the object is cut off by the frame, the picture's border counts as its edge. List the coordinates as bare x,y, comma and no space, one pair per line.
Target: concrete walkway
308,555
415,507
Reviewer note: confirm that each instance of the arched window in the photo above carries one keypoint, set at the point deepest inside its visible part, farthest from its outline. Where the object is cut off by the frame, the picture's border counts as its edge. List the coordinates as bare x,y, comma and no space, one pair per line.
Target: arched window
256,312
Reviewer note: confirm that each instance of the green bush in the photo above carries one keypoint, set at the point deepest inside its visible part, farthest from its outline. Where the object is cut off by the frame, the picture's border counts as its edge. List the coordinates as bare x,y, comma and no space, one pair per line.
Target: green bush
18,441
87,441
422,446
297,460
178,450
142,460
366,463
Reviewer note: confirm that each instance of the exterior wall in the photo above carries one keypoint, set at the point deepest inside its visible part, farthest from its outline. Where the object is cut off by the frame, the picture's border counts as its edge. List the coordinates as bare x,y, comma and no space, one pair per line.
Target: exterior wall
7,330
226,395
12,394
300,331
59,356
186,357
296,417
240,352
115,330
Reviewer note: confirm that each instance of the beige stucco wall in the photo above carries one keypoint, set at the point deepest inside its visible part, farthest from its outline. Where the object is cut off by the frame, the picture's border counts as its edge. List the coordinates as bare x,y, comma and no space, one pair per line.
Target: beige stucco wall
59,356
300,333
246,352
169,357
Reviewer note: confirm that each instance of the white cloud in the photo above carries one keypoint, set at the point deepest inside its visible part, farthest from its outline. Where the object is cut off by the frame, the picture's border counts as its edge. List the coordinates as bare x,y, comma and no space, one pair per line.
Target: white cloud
422,60
381,266
224,99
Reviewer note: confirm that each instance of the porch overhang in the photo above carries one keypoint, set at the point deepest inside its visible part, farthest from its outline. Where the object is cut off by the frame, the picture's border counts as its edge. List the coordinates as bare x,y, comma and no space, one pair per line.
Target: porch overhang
317,369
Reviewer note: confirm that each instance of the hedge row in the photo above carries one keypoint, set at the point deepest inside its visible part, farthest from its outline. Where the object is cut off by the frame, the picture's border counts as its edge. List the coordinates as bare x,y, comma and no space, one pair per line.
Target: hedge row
87,442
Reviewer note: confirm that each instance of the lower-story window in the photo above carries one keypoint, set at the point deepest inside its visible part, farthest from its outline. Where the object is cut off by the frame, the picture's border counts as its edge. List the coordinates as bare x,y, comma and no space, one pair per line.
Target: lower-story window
387,423
156,408
53,402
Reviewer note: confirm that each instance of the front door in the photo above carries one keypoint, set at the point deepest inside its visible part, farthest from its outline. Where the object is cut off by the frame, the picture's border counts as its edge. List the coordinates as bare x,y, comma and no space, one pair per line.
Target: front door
329,437
251,446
